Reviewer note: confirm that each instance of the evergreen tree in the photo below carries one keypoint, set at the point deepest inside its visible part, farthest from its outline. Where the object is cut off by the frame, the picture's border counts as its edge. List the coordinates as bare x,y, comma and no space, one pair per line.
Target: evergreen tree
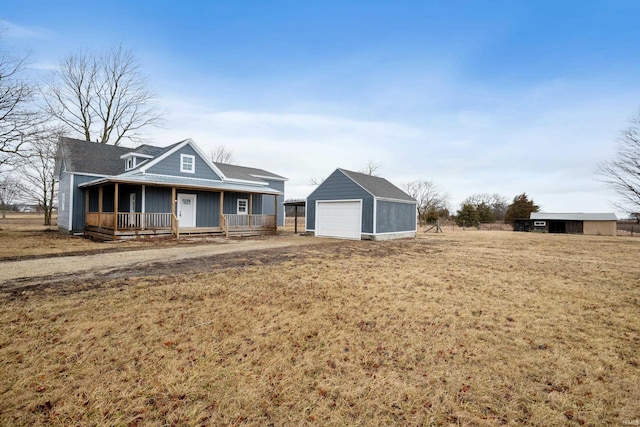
520,208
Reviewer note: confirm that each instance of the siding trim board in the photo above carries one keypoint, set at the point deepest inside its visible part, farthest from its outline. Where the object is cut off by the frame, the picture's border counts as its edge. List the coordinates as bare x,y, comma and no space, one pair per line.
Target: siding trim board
71,203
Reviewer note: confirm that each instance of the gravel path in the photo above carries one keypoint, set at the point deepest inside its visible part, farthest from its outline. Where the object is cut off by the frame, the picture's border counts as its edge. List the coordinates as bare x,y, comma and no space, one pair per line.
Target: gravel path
101,263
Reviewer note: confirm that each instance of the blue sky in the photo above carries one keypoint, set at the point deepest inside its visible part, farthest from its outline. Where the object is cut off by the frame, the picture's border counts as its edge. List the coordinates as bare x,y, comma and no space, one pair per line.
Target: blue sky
479,97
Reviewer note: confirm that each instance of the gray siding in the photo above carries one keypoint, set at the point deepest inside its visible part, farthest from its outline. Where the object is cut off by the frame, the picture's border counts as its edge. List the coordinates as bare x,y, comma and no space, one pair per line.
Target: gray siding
158,199
64,188
207,207
171,166
124,197
394,217
231,202
338,186
79,200
268,201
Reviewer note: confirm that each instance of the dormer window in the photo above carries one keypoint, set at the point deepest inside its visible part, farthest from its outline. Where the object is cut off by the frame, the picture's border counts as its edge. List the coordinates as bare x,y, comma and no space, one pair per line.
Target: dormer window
132,160
131,163
187,163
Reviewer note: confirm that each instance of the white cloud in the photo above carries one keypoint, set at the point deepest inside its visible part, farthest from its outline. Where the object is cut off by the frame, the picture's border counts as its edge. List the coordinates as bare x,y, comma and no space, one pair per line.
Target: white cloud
24,32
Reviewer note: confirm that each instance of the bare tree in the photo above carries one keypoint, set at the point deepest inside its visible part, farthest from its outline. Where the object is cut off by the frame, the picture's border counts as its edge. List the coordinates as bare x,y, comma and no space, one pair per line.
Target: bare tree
623,172
490,207
221,155
371,168
10,188
18,116
431,200
38,171
102,97
316,181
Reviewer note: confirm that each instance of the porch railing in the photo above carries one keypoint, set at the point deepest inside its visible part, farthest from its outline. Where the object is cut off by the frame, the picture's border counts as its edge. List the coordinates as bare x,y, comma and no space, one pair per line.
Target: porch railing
97,219
130,220
248,221
144,220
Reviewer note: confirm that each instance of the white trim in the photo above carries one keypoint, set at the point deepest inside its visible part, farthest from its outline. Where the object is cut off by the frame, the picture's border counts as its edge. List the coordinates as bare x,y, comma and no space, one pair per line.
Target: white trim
86,174
390,235
386,199
134,154
207,184
179,146
184,157
360,202
71,203
354,181
245,181
375,215
194,198
143,207
238,206
270,177
133,164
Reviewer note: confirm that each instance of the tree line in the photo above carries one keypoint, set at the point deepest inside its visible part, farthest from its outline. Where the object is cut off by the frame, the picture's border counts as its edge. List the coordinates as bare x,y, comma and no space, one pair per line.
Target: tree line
99,96
102,96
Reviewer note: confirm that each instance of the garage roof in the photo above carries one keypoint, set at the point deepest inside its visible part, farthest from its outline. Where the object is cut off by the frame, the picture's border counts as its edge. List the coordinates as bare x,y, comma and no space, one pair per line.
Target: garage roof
378,187
574,216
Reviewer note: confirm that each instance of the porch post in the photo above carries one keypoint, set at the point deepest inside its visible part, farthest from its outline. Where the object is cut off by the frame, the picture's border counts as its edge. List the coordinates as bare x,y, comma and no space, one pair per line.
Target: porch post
275,204
143,207
226,230
250,208
115,208
100,196
86,204
173,202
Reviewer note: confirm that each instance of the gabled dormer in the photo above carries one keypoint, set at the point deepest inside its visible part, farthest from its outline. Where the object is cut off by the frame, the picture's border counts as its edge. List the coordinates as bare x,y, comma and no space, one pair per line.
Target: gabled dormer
134,159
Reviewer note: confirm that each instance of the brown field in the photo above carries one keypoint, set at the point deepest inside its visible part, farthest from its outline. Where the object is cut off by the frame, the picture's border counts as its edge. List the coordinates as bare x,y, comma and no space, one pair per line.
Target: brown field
22,235
470,328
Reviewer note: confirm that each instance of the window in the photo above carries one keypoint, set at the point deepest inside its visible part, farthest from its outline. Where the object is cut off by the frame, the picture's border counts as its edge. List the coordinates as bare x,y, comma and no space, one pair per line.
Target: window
187,163
62,202
243,206
131,163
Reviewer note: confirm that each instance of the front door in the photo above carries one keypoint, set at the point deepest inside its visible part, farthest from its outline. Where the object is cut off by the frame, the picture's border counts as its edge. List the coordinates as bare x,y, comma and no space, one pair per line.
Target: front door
187,210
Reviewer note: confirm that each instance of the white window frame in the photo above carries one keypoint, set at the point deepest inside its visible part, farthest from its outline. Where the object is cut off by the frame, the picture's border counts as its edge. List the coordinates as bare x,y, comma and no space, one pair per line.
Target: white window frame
246,207
131,163
63,201
183,157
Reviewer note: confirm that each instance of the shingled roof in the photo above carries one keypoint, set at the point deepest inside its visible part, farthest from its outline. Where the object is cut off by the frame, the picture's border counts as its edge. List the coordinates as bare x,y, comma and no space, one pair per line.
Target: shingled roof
245,173
103,159
92,157
377,186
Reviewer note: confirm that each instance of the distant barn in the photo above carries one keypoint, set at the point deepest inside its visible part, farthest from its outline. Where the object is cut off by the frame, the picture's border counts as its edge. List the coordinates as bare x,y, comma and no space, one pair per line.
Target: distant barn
592,224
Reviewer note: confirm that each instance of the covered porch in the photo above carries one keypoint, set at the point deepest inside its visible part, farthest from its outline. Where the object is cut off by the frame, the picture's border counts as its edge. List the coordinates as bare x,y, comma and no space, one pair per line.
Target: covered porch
116,210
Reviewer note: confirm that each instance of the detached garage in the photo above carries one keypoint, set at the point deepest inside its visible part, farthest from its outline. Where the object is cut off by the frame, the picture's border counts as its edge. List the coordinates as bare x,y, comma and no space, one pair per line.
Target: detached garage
352,205
594,224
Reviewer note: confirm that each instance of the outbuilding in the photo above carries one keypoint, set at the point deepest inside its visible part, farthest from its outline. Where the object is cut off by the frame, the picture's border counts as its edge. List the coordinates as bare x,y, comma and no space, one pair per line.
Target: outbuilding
353,205
593,224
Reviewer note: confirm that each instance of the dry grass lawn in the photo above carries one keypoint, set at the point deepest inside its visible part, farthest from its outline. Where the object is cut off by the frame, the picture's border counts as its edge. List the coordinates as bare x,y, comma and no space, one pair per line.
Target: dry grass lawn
22,235
476,328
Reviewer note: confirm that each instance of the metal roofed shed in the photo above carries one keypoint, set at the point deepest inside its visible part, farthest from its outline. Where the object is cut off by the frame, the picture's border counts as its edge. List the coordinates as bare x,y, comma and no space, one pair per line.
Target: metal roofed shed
353,205
592,224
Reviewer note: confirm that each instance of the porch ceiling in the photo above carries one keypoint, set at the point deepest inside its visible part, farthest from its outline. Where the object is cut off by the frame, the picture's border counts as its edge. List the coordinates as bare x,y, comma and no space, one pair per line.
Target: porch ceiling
186,183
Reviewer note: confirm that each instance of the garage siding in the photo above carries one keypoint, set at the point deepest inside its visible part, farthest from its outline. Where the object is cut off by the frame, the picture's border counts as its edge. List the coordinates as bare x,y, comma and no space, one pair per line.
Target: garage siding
600,228
340,187
395,217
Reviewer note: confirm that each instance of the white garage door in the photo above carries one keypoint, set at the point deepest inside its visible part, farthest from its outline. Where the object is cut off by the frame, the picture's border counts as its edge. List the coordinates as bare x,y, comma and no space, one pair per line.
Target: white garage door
341,219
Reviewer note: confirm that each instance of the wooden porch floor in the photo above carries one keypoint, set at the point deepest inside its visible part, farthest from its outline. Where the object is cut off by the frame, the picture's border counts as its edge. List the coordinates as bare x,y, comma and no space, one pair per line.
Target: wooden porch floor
106,234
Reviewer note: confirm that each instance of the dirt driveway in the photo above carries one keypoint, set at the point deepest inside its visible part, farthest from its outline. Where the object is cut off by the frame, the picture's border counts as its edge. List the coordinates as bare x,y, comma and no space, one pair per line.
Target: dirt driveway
21,275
